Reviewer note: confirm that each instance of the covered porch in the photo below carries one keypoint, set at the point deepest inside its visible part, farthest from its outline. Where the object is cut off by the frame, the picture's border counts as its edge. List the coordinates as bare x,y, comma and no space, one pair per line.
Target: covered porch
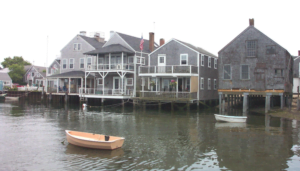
169,88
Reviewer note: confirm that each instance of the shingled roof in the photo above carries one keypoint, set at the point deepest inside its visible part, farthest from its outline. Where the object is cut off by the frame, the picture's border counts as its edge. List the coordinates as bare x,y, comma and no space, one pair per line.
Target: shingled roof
4,76
93,42
134,42
198,49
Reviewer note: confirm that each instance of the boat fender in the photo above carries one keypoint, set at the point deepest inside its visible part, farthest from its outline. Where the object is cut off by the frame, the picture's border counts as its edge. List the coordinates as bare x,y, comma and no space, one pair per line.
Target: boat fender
106,137
84,105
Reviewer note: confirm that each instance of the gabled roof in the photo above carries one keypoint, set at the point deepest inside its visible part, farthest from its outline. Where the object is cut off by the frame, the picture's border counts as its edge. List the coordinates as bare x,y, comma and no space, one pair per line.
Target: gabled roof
198,49
93,41
134,42
114,48
38,68
4,76
248,28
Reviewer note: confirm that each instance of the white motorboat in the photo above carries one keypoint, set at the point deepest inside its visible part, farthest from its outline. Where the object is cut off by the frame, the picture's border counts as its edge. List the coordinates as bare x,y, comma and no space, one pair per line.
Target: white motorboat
226,118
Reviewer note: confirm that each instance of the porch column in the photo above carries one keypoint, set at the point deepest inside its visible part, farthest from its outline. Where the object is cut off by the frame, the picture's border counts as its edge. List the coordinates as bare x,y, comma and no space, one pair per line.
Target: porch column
97,61
103,83
69,85
85,82
176,87
156,83
57,85
122,60
109,60
267,103
220,102
245,102
95,83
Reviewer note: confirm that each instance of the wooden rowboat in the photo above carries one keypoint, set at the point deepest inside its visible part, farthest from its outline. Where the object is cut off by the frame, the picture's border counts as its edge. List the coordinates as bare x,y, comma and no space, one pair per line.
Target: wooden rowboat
91,140
226,118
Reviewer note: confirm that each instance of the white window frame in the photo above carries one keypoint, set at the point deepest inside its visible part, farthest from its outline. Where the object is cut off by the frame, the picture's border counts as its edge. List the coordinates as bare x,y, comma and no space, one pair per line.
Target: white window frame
209,84
215,63
230,72
80,63
187,58
202,60
87,59
209,62
127,81
70,63
215,84
158,60
202,83
99,80
63,64
75,47
241,72
6,82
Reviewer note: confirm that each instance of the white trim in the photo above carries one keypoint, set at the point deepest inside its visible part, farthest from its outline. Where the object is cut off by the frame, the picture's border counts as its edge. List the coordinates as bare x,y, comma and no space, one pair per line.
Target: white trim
187,59
215,63
208,84
80,63
70,63
209,62
158,59
63,63
202,59
202,81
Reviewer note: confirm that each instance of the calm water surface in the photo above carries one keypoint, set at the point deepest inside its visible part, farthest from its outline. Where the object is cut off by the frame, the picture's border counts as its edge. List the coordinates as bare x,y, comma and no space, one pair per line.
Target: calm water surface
32,137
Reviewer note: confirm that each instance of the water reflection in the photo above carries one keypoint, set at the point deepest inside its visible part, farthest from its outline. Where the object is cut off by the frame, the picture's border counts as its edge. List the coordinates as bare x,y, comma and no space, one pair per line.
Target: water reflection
178,140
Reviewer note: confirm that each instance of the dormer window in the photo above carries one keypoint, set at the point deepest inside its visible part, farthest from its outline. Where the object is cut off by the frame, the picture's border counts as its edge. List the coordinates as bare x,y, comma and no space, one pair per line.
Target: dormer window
77,46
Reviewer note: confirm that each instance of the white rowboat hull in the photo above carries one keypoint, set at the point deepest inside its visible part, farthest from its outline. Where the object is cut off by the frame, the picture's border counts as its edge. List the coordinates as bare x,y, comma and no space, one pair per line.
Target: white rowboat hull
225,118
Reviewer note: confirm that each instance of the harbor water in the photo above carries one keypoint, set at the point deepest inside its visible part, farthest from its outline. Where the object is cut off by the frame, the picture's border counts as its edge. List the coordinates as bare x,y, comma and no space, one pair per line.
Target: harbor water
32,137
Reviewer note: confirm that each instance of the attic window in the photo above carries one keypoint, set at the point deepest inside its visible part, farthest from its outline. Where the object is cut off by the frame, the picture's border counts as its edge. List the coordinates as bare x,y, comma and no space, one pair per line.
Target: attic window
271,50
251,48
77,46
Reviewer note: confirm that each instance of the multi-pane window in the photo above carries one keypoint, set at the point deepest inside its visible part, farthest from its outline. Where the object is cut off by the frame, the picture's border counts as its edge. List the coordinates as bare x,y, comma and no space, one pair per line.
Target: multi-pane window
202,83
209,62
100,81
183,59
161,59
227,72
271,50
71,63
129,81
208,84
89,61
64,64
215,64
251,48
215,84
278,72
77,46
245,72
81,63
202,60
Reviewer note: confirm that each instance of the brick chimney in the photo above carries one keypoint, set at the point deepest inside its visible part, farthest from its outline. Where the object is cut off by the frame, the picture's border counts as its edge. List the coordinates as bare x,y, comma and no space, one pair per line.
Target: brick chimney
251,22
98,38
298,52
151,41
161,42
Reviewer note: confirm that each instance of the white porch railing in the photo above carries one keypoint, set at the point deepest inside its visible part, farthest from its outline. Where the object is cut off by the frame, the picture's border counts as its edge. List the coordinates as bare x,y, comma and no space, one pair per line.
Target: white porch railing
172,69
118,66
99,91
165,95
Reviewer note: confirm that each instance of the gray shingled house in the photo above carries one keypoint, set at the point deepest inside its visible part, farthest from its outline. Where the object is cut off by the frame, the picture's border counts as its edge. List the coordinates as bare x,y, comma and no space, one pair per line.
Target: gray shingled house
5,78
35,75
253,65
178,71
296,76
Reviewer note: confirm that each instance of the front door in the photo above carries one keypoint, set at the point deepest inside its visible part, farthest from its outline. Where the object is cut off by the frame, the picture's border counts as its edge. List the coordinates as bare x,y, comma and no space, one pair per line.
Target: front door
161,64
260,80
117,83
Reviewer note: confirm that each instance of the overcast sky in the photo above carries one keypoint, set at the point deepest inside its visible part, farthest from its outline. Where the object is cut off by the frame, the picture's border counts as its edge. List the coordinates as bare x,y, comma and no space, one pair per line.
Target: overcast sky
25,25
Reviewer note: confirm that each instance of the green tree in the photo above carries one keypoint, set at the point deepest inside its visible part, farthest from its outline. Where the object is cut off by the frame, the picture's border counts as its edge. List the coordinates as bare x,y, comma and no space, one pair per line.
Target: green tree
16,73
15,60
16,67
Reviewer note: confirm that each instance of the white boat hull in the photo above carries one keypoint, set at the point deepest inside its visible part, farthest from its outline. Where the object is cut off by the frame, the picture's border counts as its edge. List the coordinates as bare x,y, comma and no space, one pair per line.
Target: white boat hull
225,118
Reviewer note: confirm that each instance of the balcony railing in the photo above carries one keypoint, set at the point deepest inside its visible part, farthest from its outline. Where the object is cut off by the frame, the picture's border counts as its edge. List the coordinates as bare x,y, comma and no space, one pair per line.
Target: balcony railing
167,95
172,69
119,66
99,91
